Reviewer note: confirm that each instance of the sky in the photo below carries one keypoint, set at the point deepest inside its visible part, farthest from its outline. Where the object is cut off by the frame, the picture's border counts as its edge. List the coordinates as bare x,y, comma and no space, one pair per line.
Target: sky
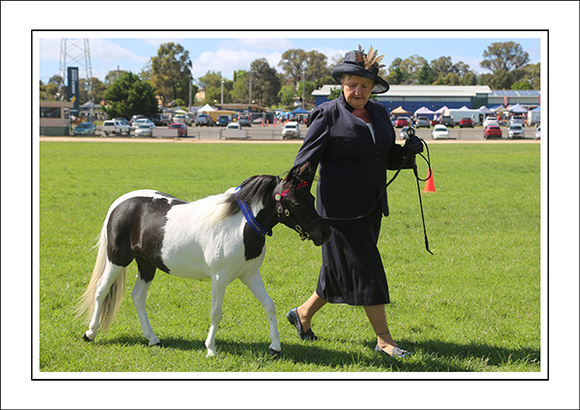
226,51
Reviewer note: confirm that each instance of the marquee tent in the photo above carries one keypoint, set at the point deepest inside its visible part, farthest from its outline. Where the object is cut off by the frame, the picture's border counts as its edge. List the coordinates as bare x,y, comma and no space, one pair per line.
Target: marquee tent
424,110
300,110
441,110
206,108
485,110
518,109
400,110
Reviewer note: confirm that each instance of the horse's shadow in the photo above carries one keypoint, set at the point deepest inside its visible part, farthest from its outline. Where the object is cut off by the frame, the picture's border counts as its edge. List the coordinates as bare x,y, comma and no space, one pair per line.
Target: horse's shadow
430,356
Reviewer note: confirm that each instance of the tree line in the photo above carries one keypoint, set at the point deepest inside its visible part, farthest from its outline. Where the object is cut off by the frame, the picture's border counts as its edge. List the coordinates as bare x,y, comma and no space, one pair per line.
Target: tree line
167,76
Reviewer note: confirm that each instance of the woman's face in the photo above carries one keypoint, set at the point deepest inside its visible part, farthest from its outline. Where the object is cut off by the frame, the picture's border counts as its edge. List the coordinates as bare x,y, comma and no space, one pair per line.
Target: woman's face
357,90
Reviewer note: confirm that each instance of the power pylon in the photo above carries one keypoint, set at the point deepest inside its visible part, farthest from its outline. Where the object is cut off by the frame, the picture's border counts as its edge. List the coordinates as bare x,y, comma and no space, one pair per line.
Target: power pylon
75,52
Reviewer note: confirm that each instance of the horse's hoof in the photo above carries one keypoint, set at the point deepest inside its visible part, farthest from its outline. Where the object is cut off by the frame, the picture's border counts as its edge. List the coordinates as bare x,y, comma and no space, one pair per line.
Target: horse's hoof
158,344
273,353
86,338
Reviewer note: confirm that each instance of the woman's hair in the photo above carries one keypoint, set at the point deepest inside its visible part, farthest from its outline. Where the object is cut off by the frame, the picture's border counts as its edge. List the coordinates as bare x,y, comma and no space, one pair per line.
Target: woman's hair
346,76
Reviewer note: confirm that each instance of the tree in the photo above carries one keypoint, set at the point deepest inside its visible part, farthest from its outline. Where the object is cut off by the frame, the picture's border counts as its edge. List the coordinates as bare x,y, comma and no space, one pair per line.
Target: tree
441,67
266,84
129,96
293,62
211,82
287,95
425,76
171,73
508,56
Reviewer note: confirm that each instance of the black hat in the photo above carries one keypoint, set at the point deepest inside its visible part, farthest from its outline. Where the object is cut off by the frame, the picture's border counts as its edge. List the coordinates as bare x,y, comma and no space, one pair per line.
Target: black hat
360,64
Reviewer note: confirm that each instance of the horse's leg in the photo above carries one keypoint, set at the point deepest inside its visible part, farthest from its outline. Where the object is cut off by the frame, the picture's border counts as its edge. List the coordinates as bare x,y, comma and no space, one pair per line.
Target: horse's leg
256,286
110,275
218,291
139,295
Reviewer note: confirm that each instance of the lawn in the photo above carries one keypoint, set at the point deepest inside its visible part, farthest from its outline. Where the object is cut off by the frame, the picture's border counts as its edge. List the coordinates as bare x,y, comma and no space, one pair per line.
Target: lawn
473,306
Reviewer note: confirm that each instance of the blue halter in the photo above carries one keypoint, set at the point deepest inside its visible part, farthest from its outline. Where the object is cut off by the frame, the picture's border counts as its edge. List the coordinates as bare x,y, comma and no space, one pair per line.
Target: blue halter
247,212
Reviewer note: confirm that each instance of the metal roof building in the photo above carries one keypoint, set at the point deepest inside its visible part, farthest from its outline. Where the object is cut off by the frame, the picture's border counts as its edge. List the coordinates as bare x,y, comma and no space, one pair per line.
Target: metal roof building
413,97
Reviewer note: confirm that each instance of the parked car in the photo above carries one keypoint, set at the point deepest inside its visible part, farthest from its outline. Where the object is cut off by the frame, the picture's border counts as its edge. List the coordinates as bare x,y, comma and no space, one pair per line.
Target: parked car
538,132
440,132
223,120
466,122
402,122
516,131
423,122
181,128
115,128
135,118
244,121
144,130
490,121
403,134
143,121
122,121
178,118
291,130
85,128
447,120
492,131
258,120
234,126
203,119
517,120
159,119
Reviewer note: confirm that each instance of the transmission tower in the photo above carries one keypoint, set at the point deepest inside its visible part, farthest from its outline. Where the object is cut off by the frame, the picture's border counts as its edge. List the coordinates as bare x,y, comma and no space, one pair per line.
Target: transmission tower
77,53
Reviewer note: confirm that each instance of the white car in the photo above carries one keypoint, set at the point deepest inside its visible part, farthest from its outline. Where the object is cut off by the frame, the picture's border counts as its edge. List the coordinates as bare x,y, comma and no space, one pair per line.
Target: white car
144,130
516,131
233,126
291,130
143,121
490,121
440,132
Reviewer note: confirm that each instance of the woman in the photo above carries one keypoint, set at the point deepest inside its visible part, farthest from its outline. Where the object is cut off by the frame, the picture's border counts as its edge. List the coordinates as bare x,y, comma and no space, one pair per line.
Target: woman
353,141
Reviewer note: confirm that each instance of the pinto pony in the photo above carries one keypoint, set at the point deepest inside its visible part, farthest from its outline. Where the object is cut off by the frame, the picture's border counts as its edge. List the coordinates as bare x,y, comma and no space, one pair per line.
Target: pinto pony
221,237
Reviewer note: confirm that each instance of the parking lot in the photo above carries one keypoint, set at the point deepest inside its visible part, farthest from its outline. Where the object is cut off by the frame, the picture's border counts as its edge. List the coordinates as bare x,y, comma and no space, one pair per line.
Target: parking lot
257,132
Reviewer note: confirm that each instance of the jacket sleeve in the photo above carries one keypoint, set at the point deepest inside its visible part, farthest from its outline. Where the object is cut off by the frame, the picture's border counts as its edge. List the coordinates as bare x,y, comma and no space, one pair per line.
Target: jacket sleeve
316,138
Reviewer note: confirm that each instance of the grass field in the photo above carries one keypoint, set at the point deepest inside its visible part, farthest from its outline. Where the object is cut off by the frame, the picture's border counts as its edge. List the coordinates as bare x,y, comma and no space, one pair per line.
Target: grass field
472,307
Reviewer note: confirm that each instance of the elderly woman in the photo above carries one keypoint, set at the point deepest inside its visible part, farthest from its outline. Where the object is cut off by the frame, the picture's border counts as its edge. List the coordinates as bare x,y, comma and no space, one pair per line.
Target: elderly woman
353,141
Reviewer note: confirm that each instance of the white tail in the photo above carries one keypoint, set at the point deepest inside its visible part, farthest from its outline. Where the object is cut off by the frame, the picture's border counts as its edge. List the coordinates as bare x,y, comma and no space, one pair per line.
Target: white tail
114,297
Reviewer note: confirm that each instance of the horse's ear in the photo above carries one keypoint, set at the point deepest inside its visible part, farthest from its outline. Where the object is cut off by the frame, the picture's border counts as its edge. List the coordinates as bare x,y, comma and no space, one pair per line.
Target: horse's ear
302,172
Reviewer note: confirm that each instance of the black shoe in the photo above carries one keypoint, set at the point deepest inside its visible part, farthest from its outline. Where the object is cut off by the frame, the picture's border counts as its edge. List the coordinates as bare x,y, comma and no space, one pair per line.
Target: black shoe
396,352
293,318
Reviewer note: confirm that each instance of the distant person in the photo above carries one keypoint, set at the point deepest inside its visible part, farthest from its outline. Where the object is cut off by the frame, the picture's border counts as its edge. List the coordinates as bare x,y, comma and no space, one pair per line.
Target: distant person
353,141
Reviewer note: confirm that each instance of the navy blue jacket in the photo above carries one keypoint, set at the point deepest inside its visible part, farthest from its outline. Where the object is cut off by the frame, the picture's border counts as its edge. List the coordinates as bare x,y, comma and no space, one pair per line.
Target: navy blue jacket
352,167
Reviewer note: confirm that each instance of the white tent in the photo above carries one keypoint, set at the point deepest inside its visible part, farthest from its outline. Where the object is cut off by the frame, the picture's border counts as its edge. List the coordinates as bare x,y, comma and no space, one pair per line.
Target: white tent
206,108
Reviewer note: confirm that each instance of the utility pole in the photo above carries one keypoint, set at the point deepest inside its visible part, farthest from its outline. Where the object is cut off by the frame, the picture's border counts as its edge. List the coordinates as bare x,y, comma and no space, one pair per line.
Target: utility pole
250,102
303,87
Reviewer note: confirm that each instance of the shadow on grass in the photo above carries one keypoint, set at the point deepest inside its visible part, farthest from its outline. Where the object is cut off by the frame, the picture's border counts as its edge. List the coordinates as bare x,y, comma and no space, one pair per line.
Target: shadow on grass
428,356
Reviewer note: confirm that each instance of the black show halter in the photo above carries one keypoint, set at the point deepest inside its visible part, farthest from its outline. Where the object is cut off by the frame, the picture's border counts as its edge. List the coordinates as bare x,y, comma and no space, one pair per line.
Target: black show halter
285,212
411,134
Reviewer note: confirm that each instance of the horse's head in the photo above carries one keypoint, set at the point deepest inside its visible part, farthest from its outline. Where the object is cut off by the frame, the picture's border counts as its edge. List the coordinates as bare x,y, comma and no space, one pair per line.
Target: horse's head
295,205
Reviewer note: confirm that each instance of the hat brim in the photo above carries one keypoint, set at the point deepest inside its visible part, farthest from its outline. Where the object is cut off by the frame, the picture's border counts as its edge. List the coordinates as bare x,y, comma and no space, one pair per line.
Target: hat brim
381,86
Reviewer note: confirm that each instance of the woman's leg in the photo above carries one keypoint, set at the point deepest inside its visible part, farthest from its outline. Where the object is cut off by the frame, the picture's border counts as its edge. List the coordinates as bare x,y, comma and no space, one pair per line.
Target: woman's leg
378,319
309,309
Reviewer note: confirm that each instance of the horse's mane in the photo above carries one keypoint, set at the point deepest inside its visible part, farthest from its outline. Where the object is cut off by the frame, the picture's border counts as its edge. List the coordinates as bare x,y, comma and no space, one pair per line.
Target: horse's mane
251,190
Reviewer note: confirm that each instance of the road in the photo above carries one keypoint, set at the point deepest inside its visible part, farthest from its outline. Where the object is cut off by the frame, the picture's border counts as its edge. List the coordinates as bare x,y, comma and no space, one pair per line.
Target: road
273,133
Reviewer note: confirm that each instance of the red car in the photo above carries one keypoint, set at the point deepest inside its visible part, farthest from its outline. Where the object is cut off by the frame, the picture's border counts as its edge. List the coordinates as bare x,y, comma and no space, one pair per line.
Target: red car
465,122
181,128
402,122
492,131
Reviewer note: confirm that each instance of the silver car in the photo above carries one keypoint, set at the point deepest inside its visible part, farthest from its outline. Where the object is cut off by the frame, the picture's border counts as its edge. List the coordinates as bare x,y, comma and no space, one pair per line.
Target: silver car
516,131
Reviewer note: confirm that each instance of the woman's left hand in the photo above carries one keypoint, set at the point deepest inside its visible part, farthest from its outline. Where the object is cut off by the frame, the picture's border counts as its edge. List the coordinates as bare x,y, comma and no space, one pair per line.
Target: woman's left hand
413,145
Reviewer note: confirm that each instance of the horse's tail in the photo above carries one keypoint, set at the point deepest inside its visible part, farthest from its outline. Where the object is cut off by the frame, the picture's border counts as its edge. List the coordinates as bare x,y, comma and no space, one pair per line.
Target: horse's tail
115,295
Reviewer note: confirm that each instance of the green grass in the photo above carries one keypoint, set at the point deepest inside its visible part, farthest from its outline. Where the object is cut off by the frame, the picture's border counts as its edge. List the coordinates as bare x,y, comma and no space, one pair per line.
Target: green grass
472,307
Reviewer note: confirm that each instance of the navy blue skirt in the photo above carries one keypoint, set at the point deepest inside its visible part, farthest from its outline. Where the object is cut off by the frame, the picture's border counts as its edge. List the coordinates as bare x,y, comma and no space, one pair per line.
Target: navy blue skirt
352,271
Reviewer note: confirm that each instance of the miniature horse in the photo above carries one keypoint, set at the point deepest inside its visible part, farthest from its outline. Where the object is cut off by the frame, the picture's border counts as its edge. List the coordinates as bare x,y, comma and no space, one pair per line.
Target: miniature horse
217,237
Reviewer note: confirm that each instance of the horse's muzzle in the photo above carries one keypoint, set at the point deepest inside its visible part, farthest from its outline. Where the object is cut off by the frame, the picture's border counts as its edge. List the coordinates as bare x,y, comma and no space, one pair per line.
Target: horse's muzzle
318,231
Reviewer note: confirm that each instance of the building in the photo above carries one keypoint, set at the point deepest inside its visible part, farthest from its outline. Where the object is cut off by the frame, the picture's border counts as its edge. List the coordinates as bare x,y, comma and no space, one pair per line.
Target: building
413,97
55,117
